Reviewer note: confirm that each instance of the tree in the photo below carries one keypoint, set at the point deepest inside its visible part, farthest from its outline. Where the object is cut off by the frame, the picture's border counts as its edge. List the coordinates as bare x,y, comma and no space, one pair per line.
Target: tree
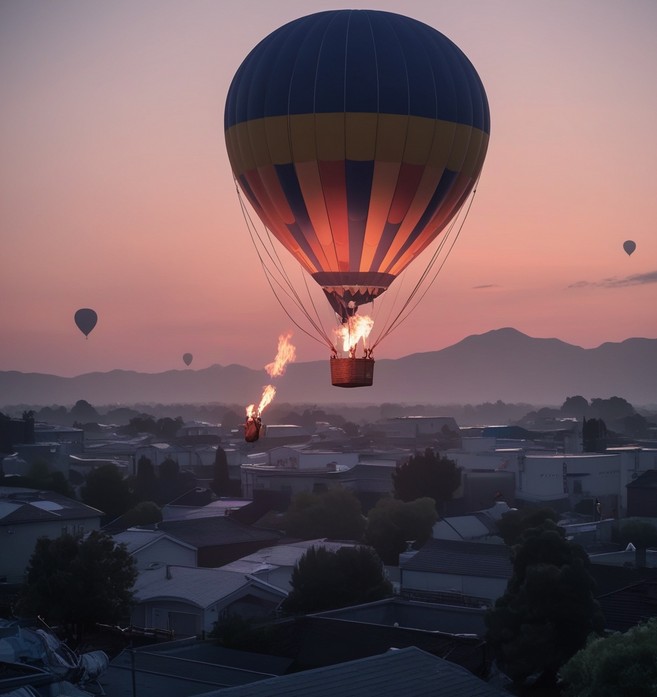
84,412
548,609
335,514
392,523
512,524
144,513
221,478
78,582
619,664
575,406
427,474
107,490
145,482
325,580
594,436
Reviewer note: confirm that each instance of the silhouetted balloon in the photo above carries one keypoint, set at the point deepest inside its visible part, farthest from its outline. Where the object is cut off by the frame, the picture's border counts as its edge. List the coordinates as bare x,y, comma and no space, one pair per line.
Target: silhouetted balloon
188,358
85,319
356,135
629,246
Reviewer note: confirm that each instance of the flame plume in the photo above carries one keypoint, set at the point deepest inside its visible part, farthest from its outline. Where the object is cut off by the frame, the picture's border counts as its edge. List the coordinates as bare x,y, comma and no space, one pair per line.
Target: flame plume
286,353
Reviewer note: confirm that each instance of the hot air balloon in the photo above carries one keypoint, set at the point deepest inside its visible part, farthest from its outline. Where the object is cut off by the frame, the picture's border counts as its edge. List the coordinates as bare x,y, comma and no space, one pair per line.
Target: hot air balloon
86,320
187,358
356,136
629,246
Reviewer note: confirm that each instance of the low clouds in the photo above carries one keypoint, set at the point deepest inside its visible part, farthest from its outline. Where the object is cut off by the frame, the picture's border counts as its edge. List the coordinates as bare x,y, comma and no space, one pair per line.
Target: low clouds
638,279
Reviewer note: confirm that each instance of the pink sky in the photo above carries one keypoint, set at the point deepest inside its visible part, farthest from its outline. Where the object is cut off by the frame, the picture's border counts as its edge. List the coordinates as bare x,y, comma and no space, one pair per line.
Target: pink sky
116,193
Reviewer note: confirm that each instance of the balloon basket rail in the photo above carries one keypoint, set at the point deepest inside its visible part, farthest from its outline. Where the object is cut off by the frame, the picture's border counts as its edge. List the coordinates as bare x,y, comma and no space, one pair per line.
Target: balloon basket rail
352,372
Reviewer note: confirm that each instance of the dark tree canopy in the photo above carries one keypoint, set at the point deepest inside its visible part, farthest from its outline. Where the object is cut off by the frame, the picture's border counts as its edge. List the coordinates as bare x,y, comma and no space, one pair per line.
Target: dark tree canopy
548,609
325,580
392,523
512,524
107,490
619,664
427,474
78,582
221,484
594,435
335,514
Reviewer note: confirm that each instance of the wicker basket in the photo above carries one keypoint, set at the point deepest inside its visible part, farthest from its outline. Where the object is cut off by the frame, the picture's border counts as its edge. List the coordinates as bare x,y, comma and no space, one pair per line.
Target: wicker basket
352,372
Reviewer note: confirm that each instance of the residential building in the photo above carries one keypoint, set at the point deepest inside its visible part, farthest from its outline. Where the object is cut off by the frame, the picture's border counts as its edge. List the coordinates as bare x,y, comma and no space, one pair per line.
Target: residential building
189,601
408,671
154,548
28,514
472,573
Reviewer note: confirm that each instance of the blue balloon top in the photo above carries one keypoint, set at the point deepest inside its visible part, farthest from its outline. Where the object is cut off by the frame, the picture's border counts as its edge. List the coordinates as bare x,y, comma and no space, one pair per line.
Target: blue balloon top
359,61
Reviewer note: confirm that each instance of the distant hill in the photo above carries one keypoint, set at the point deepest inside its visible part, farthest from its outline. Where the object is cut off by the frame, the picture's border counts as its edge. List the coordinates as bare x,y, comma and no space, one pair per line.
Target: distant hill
503,364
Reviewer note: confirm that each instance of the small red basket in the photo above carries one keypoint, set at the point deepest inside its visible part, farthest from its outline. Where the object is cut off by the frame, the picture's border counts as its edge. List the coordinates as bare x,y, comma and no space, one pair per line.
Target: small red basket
352,372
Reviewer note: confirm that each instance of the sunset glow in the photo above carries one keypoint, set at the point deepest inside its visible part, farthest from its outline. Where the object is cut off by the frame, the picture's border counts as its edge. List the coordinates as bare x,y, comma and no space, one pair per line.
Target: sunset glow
117,193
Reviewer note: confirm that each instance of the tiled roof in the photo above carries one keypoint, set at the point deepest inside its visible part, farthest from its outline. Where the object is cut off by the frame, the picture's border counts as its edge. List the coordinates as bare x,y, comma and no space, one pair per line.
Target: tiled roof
136,538
629,606
409,672
19,505
461,558
217,530
646,480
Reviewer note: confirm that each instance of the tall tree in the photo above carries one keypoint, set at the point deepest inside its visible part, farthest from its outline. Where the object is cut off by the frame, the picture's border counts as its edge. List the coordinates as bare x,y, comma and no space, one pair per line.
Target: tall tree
427,474
325,580
221,478
107,490
392,523
594,435
548,609
78,582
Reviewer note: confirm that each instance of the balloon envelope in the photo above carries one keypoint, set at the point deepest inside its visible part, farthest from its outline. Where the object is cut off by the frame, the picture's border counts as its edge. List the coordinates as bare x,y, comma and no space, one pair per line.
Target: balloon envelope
629,246
187,358
356,135
85,319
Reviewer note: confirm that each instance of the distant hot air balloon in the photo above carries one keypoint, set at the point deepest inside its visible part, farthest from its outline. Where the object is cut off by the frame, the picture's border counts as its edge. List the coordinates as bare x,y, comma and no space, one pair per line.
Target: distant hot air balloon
356,136
85,319
629,246
188,358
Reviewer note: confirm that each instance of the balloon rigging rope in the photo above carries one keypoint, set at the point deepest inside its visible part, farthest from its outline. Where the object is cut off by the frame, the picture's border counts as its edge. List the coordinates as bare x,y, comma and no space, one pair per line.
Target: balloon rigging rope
400,318
285,285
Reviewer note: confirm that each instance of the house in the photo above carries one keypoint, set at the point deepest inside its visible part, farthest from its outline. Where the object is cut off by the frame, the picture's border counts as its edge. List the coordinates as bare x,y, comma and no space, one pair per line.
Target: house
276,564
478,526
642,495
408,671
188,601
626,607
419,430
219,539
152,548
186,667
292,470
470,573
28,514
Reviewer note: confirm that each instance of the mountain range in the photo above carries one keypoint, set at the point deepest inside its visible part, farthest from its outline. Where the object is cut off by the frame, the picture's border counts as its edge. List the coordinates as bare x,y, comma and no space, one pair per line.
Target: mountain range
502,364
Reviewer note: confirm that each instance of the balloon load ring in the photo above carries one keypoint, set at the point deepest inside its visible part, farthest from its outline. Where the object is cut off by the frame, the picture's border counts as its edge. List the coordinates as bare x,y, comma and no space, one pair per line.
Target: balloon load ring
352,372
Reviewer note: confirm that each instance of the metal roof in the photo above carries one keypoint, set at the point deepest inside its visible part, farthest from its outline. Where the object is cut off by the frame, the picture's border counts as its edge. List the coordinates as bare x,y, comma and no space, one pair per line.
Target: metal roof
461,558
199,586
408,671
